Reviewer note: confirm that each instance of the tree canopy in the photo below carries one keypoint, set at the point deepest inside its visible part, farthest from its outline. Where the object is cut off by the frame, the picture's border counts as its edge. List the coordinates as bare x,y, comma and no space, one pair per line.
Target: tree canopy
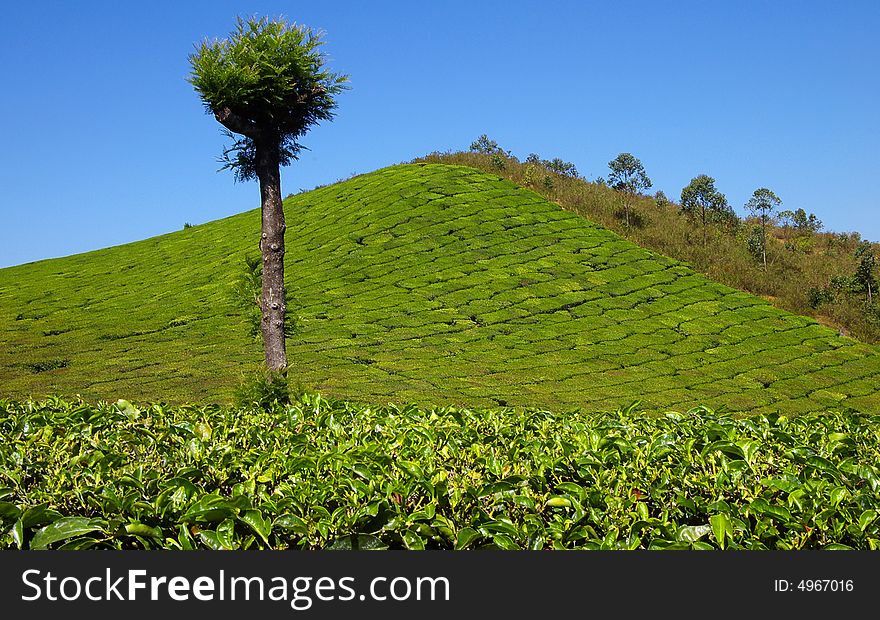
701,199
628,175
485,145
763,203
266,82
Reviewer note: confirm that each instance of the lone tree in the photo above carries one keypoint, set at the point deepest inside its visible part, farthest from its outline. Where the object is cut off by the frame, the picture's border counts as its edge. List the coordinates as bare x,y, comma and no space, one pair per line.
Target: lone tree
485,145
267,84
700,198
628,176
763,203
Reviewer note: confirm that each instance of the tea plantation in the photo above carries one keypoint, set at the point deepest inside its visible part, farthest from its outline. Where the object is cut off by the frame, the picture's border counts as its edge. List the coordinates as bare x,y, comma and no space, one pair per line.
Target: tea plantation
329,474
426,284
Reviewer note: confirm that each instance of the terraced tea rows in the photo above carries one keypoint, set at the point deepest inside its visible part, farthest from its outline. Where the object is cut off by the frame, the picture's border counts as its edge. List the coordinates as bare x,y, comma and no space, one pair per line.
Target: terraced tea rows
425,283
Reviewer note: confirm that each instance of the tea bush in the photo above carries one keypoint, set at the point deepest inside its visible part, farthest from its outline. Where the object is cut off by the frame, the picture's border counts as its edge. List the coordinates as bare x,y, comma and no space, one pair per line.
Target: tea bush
332,474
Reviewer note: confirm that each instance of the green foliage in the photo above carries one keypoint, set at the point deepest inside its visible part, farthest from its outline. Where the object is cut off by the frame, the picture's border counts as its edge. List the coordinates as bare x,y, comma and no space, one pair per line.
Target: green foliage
564,168
865,277
271,75
628,174
661,199
47,365
330,474
802,244
818,296
555,165
844,284
486,146
700,199
756,242
801,222
246,294
535,177
763,203
263,390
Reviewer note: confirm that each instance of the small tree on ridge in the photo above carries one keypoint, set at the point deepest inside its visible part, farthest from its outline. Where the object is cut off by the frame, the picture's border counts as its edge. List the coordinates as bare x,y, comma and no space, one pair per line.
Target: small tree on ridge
486,146
628,176
701,199
763,203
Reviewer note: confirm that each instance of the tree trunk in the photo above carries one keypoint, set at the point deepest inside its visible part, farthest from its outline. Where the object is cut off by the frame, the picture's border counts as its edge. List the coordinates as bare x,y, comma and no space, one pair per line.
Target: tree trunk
272,303
704,226
764,242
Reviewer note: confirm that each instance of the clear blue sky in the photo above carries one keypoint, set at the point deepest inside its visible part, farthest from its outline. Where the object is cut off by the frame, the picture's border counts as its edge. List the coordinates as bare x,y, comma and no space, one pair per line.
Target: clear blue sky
105,142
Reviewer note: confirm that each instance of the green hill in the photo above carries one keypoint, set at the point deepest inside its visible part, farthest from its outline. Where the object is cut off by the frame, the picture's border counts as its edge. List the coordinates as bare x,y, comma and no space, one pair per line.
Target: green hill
423,283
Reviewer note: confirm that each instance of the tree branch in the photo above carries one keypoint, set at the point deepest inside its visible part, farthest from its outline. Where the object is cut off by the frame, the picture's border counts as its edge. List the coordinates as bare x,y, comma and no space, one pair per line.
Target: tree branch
233,122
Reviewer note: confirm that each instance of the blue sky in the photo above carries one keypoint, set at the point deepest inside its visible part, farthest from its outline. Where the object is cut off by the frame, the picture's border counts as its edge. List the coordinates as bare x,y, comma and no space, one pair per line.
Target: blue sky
105,142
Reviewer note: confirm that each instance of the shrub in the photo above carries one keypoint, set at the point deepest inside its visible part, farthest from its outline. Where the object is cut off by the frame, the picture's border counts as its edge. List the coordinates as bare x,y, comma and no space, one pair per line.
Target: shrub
246,293
818,296
801,245
263,390
531,174
47,365
844,284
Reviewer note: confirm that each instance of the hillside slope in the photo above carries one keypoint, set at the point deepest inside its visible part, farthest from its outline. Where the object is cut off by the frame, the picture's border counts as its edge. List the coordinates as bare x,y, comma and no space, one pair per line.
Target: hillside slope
424,283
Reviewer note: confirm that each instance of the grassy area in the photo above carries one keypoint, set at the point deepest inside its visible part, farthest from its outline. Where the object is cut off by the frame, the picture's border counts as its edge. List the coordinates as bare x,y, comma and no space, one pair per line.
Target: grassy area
321,474
426,284
797,262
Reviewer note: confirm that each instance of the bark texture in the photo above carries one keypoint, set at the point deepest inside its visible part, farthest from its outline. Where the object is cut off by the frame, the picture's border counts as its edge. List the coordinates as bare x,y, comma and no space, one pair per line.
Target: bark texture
273,304
235,123
764,240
